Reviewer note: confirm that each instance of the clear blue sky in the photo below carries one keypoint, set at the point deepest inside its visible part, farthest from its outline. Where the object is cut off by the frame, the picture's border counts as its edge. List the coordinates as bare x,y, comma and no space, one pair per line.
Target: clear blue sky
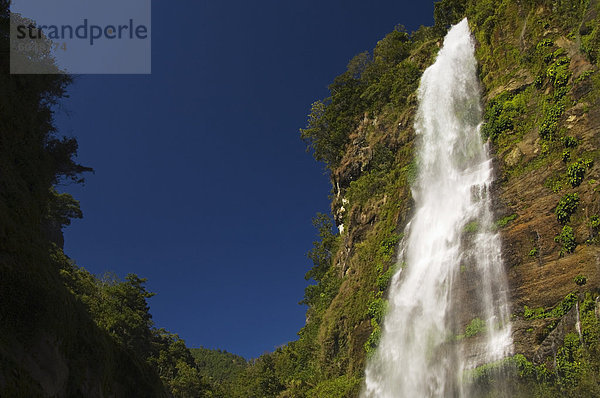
202,184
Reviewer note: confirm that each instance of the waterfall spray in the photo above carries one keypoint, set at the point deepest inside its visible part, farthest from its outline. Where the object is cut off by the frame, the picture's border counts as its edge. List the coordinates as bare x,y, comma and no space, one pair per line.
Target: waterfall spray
452,254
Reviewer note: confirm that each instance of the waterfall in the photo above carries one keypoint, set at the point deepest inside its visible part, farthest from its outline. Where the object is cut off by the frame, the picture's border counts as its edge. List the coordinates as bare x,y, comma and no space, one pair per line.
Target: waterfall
451,273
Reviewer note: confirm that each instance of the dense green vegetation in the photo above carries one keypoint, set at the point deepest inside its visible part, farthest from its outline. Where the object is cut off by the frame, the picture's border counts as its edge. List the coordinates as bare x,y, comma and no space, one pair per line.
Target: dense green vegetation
573,372
566,207
476,326
567,240
120,308
371,82
218,367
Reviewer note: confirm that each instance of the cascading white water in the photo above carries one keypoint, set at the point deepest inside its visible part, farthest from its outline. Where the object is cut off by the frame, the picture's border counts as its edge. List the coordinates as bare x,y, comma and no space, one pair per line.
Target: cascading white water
451,236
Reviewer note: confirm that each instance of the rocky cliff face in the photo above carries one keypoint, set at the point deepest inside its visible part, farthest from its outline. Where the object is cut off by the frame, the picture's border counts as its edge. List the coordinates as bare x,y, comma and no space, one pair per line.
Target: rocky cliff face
49,344
537,171
541,91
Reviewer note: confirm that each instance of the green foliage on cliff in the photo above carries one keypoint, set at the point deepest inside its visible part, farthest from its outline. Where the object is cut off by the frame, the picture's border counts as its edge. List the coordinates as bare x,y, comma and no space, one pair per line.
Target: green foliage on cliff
340,387
566,207
386,77
120,308
573,372
173,362
576,171
476,326
218,365
567,240
557,312
504,221
499,115
580,280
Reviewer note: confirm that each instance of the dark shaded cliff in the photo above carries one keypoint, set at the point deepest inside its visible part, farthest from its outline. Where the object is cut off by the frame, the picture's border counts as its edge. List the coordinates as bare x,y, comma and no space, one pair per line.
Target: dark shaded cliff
63,331
49,344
